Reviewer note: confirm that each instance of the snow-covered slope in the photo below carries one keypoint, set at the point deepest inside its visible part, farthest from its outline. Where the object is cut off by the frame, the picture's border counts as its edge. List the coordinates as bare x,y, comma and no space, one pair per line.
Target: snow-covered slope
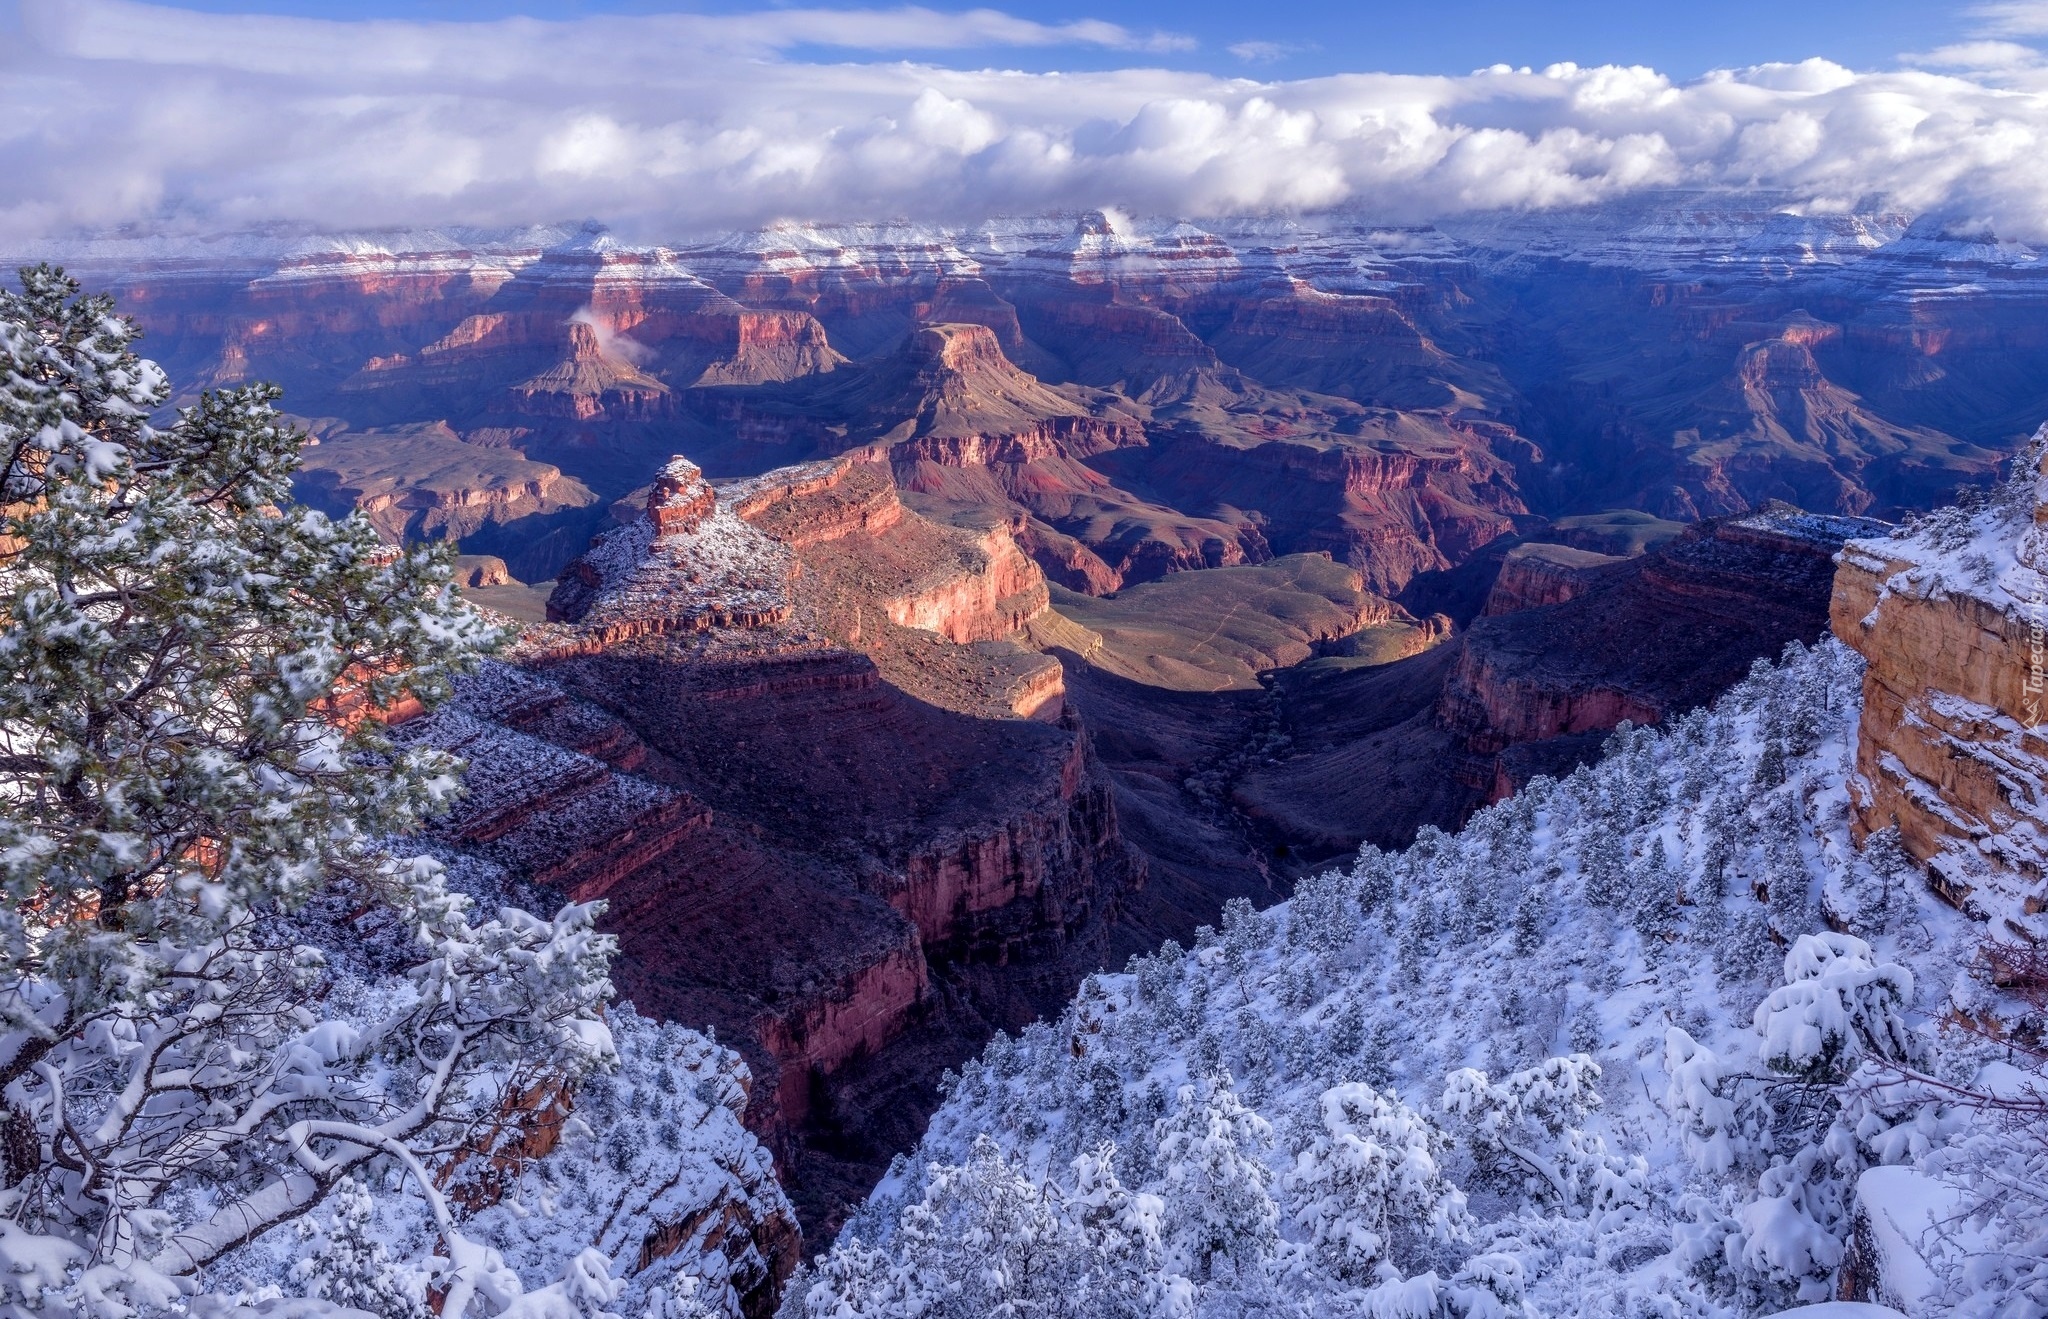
1622,1047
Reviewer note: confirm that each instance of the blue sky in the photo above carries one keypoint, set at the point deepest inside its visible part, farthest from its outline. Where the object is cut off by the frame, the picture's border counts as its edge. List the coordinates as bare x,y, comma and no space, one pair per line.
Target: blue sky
1306,38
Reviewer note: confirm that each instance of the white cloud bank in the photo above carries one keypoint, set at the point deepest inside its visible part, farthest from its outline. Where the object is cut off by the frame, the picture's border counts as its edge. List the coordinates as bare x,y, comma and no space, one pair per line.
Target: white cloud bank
114,113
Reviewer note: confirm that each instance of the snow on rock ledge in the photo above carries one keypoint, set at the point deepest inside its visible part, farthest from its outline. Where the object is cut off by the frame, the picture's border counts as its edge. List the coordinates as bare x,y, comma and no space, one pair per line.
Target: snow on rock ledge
1950,616
690,565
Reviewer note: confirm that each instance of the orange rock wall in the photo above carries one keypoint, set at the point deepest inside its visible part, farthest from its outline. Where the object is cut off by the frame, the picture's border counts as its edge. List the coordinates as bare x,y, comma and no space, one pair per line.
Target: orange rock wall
979,606
1949,751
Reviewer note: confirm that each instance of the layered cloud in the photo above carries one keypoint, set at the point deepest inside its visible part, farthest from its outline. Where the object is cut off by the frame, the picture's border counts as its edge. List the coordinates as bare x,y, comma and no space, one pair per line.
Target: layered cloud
114,113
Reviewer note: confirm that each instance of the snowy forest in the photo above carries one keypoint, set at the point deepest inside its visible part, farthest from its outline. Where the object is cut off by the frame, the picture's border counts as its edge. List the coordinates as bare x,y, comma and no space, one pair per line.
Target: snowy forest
1658,1039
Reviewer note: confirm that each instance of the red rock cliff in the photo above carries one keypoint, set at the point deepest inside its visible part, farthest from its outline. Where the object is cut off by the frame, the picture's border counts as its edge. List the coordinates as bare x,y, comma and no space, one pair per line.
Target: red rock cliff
853,863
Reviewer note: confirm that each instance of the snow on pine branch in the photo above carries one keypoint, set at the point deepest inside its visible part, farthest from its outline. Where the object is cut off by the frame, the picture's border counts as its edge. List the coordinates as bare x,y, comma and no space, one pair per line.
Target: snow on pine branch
201,824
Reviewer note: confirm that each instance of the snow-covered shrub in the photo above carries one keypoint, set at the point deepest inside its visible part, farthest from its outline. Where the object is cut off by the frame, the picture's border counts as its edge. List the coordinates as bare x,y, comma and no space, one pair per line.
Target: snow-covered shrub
1212,1156
1529,1128
1374,1167
345,1260
986,1239
1837,1007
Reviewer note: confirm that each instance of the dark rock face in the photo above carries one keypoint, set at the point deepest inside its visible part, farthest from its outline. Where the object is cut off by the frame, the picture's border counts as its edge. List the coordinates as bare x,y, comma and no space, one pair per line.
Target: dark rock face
1378,752
1643,639
882,869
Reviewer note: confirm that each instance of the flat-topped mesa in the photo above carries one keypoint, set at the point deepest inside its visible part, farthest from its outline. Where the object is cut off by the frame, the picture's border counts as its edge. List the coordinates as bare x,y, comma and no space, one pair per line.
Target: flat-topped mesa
689,565
1951,614
1543,574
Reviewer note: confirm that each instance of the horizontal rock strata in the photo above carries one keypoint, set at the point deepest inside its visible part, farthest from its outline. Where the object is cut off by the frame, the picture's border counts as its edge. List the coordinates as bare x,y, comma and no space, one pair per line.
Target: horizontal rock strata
1951,751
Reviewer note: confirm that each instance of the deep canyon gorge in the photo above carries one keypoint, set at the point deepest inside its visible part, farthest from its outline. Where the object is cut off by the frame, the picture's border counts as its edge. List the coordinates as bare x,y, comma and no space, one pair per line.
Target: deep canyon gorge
915,620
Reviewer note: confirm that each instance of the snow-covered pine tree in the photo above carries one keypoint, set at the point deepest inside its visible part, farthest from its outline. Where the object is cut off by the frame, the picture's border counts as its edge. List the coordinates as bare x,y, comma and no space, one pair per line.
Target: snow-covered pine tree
191,673
1373,1168
1211,1152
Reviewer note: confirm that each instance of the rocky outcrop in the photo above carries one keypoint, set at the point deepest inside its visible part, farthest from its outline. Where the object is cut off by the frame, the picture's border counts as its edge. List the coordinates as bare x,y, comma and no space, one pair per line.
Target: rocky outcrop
1406,496
689,564
590,382
754,347
1494,700
844,848
1539,574
1950,751
1363,347
997,600
875,572
1646,638
1066,560
856,1016
819,502
482,570
549,795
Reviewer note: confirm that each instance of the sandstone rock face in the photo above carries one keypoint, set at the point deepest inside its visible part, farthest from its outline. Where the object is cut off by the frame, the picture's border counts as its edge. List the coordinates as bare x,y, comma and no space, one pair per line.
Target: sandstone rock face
886,582
482,570
1950,751
765,346
819,502
985,605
